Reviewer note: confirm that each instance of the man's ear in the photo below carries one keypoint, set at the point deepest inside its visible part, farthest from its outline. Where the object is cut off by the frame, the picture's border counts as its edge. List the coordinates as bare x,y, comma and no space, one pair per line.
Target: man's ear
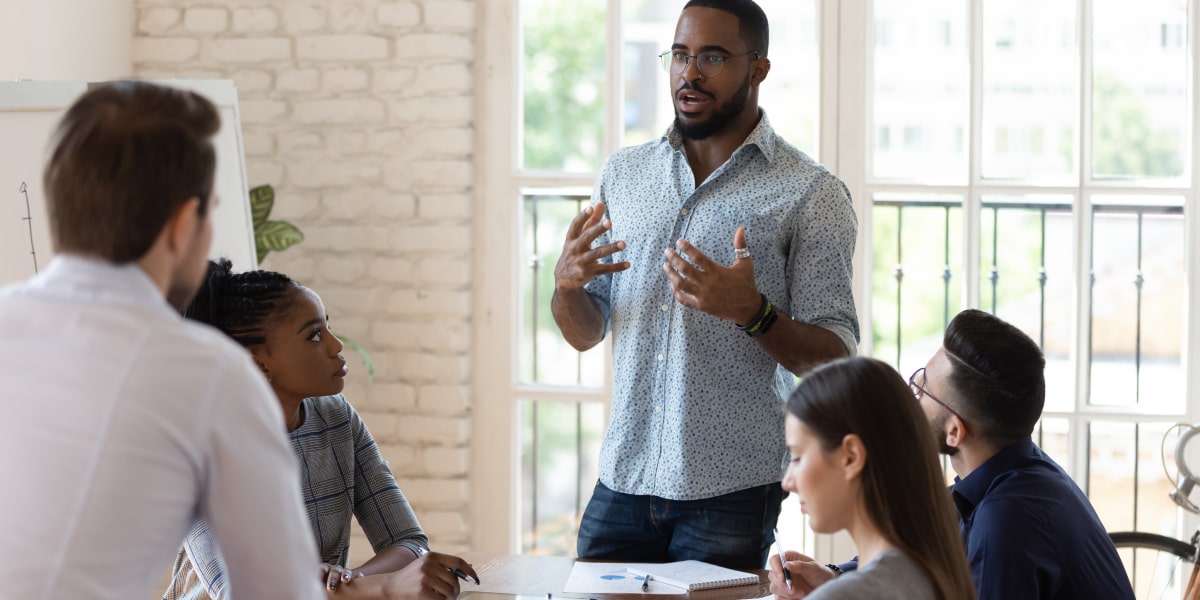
852,456
759,70
955,431
184,225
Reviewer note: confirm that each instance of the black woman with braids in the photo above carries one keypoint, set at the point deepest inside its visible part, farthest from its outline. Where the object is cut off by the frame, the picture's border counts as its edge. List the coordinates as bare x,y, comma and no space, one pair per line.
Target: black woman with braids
286,330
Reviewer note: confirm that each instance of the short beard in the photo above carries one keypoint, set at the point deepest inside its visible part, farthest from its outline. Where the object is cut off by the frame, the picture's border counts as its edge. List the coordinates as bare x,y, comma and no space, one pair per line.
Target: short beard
939,432
724,115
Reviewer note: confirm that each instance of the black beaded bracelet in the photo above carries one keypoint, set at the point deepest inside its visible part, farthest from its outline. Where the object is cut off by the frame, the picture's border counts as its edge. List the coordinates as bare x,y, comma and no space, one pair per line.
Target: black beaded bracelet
765,319
767,322
837,571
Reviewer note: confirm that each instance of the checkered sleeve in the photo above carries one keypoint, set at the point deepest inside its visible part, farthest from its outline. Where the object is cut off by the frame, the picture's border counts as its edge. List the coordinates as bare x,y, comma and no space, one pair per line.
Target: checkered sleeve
199,571
380,507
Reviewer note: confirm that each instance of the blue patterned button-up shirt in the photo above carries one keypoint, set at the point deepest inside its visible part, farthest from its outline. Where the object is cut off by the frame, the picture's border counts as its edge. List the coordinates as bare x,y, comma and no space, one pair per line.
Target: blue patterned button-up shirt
697,408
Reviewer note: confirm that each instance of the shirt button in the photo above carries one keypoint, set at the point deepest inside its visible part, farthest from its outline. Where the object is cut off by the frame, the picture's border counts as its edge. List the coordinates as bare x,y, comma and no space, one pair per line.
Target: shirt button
665,308
660,358
657,408
683,212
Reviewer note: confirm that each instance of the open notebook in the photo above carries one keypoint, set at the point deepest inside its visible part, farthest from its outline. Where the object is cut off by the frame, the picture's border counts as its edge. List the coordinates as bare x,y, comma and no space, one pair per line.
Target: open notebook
694,575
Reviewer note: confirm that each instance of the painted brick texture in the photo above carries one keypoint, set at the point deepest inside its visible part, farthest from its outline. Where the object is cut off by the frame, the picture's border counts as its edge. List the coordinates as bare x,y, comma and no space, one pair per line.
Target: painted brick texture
360,113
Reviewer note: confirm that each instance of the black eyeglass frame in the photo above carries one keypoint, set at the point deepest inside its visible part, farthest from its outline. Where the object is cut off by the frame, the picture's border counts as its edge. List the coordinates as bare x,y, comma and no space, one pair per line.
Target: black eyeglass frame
918,390
669,64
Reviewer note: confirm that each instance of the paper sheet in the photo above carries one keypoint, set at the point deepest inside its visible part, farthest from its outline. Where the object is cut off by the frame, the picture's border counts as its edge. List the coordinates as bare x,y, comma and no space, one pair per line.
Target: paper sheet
612,578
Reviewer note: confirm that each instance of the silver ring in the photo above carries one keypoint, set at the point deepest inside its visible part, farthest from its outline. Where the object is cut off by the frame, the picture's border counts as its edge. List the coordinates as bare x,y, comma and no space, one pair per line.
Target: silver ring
741,252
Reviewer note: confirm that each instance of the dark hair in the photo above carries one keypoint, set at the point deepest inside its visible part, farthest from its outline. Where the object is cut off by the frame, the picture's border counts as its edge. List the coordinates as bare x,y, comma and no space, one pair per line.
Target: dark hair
998,379
122,161
752,21
903,487
241,304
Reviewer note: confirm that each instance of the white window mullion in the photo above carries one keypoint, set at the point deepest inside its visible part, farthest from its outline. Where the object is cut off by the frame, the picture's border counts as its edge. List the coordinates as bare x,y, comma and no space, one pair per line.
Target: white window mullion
845,114
1082,260
494,450
614,80
972,200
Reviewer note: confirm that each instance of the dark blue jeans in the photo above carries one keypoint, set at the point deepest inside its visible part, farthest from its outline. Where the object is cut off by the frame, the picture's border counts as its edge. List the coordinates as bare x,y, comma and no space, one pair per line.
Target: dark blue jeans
735,530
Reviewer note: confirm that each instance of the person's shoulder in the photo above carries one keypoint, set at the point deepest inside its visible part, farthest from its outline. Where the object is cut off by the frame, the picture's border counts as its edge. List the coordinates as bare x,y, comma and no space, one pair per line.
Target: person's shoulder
331,405
1033,482
655,148
208,343
327,414
789,155
892,575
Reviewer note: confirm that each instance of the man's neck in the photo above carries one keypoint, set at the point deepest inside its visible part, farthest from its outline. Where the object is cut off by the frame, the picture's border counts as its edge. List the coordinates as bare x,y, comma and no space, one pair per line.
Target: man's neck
706,155
970,457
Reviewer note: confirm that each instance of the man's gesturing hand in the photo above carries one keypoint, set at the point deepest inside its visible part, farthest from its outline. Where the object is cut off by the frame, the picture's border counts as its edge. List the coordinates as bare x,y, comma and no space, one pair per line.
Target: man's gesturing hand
578,263
699,283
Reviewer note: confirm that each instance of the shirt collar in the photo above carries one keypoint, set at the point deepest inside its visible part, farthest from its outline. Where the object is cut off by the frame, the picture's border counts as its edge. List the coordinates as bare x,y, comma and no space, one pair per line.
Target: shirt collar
761,137
100,281
970,490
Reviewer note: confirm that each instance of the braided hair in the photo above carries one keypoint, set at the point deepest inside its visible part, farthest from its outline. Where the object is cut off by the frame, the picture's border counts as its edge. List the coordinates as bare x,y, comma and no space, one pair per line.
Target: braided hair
239,304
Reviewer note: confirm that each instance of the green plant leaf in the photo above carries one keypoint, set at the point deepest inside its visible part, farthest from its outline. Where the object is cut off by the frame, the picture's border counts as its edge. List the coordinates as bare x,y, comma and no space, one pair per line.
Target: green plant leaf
262,200
275,236
362,353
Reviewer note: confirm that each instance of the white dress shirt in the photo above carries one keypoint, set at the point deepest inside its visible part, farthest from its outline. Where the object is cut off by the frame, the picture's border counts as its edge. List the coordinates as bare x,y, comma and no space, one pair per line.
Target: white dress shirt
123,424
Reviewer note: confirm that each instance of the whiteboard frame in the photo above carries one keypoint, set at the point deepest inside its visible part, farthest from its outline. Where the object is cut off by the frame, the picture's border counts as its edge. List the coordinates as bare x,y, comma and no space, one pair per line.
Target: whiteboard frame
57,96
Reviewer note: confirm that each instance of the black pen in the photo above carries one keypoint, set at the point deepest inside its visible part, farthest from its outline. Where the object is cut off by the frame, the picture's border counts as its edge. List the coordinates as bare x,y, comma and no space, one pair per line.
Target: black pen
457,572
646,583
463,576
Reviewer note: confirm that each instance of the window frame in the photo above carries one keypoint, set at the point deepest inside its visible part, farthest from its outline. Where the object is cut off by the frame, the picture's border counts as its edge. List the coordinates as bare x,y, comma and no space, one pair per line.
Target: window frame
845,42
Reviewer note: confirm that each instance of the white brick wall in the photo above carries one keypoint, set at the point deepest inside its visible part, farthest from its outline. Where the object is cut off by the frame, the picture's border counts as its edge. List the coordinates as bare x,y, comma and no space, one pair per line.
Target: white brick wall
360,113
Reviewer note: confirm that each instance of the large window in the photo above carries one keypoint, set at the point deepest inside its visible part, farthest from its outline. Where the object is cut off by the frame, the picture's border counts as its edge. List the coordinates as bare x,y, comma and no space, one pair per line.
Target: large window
1032,159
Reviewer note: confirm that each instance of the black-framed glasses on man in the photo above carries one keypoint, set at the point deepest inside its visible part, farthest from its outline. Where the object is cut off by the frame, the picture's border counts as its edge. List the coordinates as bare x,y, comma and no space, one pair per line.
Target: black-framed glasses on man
918,390
708,63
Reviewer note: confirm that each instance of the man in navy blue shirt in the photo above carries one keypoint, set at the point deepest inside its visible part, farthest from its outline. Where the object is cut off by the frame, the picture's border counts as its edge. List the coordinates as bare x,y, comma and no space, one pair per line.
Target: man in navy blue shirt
1030,532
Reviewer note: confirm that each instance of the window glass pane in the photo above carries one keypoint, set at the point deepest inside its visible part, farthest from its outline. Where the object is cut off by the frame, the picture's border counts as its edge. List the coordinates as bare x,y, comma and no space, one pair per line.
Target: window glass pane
559,443
1140,114
1129,490
1029,115
915,288
920,90
790,94
1110,484
1137,306
1026,249
543,355
563,84
1052,436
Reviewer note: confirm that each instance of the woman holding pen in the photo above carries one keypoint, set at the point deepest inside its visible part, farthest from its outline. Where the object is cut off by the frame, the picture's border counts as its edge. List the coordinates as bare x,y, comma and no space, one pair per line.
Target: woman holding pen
285,328
863,459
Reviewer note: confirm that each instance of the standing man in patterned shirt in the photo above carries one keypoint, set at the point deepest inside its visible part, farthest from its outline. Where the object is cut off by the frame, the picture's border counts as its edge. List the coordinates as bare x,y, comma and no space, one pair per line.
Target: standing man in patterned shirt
723,268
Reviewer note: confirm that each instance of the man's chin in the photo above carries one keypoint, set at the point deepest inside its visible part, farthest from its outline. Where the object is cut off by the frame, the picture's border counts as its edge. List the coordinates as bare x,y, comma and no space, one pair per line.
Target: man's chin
693,128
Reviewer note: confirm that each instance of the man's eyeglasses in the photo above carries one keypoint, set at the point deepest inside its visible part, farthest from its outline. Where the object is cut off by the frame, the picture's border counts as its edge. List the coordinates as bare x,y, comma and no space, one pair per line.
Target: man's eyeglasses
708,63
918,390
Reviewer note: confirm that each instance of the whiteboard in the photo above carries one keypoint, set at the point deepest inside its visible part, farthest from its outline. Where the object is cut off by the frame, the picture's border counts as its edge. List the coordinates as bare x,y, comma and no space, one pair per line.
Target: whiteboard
29,111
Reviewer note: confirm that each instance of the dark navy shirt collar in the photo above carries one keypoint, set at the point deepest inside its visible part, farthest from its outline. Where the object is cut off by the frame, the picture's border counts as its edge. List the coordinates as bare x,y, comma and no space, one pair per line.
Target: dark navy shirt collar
970,490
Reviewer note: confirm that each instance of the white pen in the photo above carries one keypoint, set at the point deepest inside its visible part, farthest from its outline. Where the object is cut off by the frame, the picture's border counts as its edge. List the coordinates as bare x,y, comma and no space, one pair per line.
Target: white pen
787,575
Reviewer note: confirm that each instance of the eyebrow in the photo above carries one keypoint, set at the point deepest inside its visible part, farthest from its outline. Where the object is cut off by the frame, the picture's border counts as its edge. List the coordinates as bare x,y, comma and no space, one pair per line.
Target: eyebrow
708,48
310,323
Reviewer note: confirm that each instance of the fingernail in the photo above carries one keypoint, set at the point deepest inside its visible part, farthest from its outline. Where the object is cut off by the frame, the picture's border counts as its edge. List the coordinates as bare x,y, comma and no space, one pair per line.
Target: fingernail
587,211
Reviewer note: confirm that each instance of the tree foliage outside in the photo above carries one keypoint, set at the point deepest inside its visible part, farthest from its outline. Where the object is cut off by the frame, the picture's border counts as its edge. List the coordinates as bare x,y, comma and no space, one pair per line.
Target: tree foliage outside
563,81
1124,139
